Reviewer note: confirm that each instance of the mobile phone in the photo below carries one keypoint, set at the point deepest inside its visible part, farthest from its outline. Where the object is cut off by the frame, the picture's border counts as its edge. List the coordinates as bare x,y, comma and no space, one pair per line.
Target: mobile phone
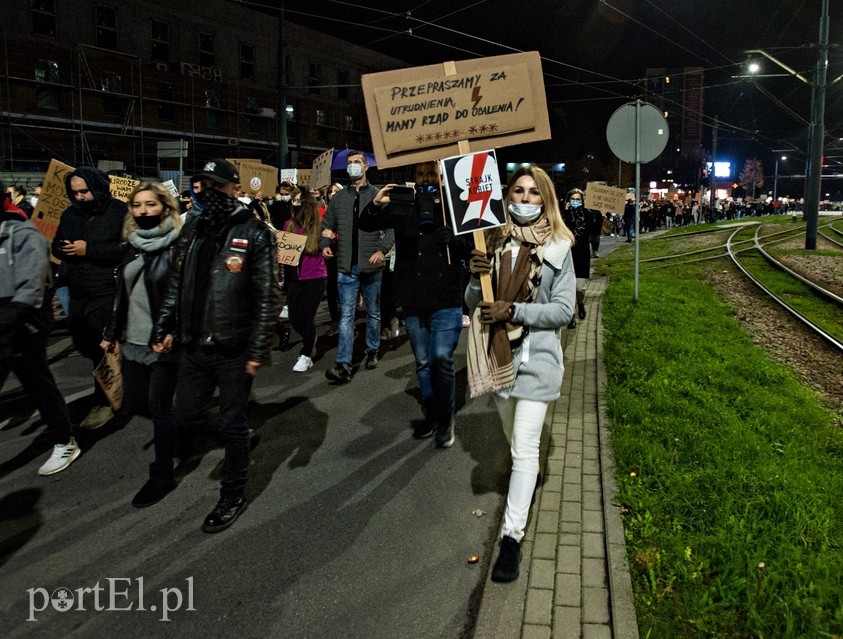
401,194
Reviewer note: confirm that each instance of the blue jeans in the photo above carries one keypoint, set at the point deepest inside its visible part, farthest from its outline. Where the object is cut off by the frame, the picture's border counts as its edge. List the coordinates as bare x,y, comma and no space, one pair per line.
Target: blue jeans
434,339
348,285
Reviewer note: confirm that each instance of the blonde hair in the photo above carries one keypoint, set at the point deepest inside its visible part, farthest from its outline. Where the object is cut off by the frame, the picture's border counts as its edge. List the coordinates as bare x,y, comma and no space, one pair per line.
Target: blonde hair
171,209
550,204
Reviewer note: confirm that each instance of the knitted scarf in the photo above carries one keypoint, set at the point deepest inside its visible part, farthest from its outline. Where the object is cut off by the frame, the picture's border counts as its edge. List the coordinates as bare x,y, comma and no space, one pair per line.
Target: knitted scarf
151,240
490,345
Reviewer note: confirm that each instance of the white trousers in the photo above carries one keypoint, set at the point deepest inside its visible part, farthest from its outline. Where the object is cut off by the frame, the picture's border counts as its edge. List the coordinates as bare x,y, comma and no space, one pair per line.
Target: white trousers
522,421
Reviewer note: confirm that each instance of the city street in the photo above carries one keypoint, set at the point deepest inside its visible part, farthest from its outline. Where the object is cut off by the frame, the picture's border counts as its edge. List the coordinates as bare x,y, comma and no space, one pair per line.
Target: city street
354,528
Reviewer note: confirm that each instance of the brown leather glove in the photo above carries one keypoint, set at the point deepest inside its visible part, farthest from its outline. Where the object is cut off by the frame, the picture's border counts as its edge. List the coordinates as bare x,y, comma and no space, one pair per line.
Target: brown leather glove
493,312
479,263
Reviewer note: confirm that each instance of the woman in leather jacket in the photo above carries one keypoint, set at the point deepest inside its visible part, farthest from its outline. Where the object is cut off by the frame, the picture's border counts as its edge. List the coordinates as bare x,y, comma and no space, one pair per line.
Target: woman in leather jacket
149,379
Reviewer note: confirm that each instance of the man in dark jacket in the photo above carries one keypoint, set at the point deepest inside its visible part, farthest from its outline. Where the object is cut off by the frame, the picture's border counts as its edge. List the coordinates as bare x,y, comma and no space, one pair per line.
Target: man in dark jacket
222,302
25,319
360,260
427,285
89,242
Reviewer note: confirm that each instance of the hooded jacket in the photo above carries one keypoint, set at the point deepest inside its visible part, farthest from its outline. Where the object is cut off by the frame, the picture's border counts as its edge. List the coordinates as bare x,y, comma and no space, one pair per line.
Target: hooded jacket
25,310
100,225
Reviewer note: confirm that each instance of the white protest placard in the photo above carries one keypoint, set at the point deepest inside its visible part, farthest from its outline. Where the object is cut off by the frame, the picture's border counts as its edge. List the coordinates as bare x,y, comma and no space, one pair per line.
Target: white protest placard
473,190
290,175
608,199
171,188
290,247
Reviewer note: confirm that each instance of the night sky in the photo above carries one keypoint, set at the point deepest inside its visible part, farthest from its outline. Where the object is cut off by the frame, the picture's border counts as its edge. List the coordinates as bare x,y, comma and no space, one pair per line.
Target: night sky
596,51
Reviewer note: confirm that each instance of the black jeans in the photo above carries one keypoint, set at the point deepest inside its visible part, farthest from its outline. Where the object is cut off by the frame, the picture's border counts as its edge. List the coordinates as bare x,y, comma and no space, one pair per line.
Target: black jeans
303,298
200,371
29,364
150,388
88,317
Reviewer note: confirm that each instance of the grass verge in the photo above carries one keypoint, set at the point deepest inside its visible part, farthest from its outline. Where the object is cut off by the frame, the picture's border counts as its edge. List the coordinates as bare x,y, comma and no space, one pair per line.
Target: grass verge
730,470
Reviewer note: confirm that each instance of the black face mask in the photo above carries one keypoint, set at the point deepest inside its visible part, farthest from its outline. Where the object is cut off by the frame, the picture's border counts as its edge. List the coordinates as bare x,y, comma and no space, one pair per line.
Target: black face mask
87,205
147,222
214,202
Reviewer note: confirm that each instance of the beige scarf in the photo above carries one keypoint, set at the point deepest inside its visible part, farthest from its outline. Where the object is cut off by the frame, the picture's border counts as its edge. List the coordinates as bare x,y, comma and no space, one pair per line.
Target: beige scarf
490,345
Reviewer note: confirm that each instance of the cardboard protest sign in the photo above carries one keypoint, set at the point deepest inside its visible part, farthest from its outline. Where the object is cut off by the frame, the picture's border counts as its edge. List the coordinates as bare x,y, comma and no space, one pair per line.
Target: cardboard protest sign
290,247
258,178
320,174
53,200
421,114
604,198
304,178
473,190
121,187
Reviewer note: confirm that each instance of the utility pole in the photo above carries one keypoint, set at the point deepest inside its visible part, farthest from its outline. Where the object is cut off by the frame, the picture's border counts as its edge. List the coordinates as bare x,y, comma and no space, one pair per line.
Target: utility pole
282,95
712,180
814,169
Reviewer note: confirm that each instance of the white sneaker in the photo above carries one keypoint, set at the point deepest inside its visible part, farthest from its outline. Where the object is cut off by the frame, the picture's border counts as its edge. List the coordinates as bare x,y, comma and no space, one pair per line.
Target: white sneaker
302,364
62,456
285,313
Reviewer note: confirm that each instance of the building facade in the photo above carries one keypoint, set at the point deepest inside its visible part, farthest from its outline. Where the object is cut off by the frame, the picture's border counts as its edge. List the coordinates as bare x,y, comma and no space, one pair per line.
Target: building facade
102,82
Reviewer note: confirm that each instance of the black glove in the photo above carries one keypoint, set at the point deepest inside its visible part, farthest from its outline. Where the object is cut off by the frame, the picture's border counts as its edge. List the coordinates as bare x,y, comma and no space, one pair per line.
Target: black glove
444,234
493,312
479,263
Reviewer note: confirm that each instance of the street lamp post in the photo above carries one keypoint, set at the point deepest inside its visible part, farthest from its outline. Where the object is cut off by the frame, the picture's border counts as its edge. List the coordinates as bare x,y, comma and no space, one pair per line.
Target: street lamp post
776,178
814,170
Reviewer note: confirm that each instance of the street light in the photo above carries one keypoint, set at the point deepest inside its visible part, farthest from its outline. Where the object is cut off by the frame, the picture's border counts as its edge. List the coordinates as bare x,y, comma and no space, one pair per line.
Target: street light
776,177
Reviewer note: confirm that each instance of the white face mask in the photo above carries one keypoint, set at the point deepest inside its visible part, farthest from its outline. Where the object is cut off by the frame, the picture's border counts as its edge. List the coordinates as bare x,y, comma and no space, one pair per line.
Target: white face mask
34,201
525,213
354,171
285,198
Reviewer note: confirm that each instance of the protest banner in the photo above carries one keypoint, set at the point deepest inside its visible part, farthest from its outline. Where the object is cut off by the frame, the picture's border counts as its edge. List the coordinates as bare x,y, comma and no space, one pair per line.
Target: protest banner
320,174
304,178
257,178
53,200
109,376
607,199
121,187
171,189
290,175
290,247
423,113
473,191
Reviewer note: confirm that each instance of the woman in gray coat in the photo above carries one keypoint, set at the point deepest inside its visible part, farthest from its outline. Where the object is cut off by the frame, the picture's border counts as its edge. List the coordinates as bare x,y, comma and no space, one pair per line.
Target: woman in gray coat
514,346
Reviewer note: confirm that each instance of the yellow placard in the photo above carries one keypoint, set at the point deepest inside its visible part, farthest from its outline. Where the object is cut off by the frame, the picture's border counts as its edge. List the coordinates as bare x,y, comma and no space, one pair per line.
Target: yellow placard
257,178
121,187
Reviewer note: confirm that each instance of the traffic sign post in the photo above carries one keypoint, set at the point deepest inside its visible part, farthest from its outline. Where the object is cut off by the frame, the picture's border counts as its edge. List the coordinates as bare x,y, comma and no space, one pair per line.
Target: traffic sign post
637,133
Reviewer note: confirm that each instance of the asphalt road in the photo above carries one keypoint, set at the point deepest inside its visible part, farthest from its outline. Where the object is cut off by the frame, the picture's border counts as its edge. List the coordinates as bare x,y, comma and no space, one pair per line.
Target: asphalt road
354,528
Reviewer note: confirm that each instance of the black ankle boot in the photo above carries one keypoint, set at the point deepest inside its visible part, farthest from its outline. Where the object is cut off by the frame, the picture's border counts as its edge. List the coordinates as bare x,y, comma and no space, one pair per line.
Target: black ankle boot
506,566
581,313
158,486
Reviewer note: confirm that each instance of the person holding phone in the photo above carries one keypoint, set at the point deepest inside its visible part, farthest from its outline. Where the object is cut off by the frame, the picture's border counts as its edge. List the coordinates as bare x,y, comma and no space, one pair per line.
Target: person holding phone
428,287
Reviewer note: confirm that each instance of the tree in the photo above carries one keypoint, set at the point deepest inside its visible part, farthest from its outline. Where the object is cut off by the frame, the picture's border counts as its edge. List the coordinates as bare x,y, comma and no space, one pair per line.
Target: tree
752,176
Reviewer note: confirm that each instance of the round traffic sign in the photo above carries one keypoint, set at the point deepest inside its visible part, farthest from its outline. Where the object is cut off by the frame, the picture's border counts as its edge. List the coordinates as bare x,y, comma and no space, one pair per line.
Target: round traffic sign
620,132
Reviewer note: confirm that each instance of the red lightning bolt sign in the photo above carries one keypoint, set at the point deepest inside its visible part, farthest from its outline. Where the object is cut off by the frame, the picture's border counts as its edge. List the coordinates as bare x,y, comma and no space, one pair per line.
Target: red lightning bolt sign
475,95
478,164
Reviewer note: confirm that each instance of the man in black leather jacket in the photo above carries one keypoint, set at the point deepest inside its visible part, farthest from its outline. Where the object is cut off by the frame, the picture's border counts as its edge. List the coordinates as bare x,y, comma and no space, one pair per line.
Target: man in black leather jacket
222,302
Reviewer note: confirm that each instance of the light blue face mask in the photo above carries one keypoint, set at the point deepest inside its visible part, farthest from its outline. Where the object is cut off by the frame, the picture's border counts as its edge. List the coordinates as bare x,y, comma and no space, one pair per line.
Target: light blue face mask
575,204
354,171
525,213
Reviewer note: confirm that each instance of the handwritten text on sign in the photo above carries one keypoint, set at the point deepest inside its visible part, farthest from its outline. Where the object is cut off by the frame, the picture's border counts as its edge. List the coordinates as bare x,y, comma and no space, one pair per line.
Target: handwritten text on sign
53,200
290,247
445,109
121,188
608,199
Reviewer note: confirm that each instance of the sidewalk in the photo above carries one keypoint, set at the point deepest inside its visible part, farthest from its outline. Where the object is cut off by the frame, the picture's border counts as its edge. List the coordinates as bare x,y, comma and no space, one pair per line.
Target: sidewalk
574,575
